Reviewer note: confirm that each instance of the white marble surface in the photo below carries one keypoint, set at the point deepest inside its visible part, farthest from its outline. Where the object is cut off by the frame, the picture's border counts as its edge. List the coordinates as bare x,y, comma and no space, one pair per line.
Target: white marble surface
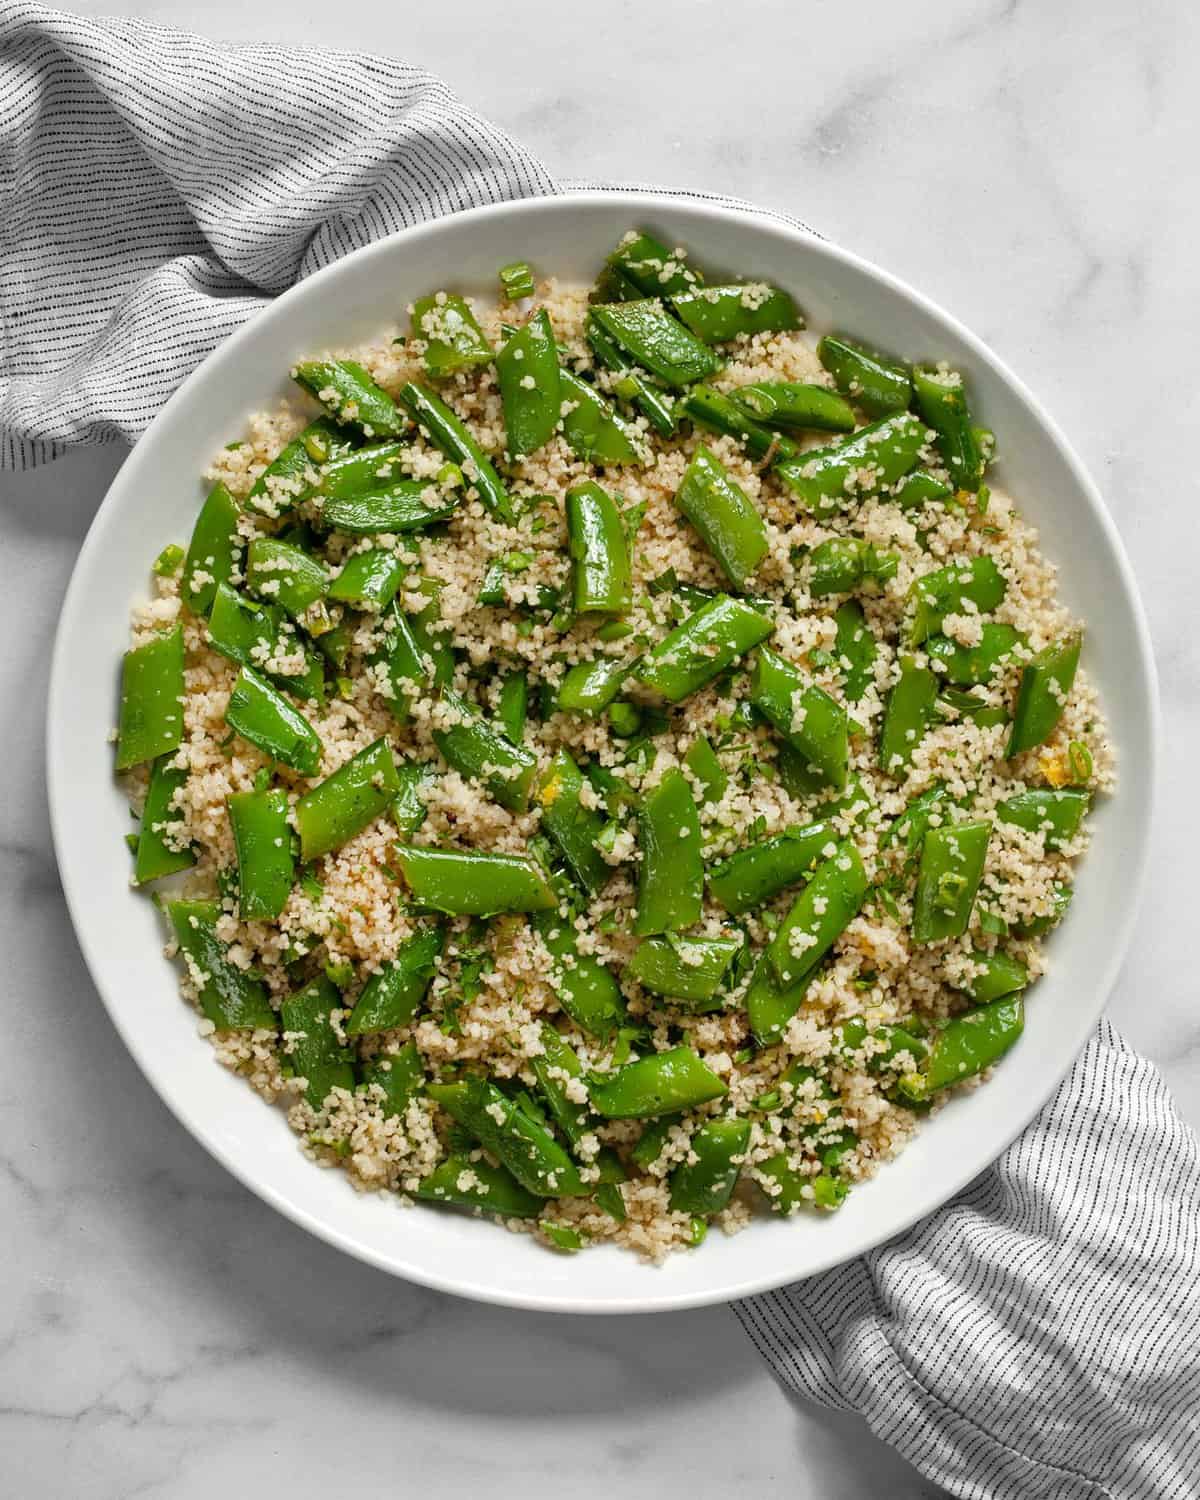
162,1333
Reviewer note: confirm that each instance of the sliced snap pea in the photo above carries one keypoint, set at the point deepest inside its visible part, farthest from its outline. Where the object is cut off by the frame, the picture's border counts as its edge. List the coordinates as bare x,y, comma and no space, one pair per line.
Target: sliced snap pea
840,564
690,970
999,974
966,1046
812,722
655,405
855,648
228,996
706,1185
513,705
352,397
602,579
1056,814
828,480
406,505
719,313
400,1075
593,430
156,856
952,860
721,414
318,1054
752,875
392,997
447,431
151,714
933,596
522,1144
1060,900
647,264
671,873
794,1189
793,404
771,1005
942,402
263,716
530,386
918,488
467,1183
573,826
368,580
469,882
663,1083
1046,685
285,575
590,686
657,341
721,512
909,713
818,917
295,473
913,823
971,666
880,386
556,1058
408,808
705,765
481,753
213,551
345,803
702,647
266,865
452,337
249,633
363,471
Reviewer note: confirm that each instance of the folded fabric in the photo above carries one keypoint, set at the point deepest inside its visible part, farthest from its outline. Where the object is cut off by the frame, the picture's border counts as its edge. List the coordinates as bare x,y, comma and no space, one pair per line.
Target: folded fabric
1040,1336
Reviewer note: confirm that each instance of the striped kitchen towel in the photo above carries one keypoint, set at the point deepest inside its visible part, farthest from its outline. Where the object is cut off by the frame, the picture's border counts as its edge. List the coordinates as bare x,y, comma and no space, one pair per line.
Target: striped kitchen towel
1038,1337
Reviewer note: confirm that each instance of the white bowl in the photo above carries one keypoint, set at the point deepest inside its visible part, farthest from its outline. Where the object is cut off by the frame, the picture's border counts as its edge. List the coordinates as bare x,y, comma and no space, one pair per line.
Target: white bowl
154,500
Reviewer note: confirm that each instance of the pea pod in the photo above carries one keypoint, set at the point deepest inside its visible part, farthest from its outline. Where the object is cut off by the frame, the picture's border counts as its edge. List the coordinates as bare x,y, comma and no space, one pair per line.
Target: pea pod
468,1183
880,386
791,1189
671,873
481,753
855,648
452,337
603,582
251,634
368,580
966,1046
593,430
840,564
446,430
1059,901
721,414
573,826
352,397
266,865
702,647
285,575
952,860
556,1058
228,996
408,808
971,666
317,1053
363,471
1046,685
647,264
345,803
520,1143
706,1185
265,718
913,823
585,989
657,341
469,882
295,472
942,402
933,596
513,705
407,505
530,387
717,314
751,876
705,765
918,488
590,686
400,1075
655,405
156,856
663,1083
792,404
818,917
213,551
151,714
829,480
689,970
812,722
997,975
909,713
1056,814
392,997
719,509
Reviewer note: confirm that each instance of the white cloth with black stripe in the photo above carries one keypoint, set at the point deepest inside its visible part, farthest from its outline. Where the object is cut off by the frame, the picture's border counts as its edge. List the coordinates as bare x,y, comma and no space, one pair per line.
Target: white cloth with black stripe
1040,1336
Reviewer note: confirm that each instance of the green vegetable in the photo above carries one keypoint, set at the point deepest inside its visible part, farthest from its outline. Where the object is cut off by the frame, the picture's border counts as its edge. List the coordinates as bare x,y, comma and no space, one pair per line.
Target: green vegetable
829,480
285,575
657,341
345,803
530,386
706,1185
293,474
909,713
690,970
469,1183
1046,685
263,841
945,591
818,917
317,1054
702,647
1057,814
156,856
481,753
573,827
841,564
516,280
227,995
602,579
151,715
952,860
452,337
942,403
265,718
751,876
718,508
446,430
721,414
351,397
400,1075
855,648
468,882
880,386
1000,975
671,873
248,633
663,1083
792,405
213,551
590,686
368,580
593,430
521,1144
812,722
970,666
966,1045
702,761
392,997
717,314
511,710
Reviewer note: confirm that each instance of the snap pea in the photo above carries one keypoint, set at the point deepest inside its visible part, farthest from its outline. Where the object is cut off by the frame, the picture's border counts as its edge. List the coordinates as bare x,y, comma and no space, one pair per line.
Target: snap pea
151,715
602,580
828,480
918,488
446,431
841,563
590,686
408,807
480,753
948,590
363,471
971,666
530,387
941,399
263,841
1057,814
368,580
516,280
156,856
648,265
467,1183
706,1185
317,1055
913,823
663,1083
793,404
688,970
405,665
352,397
657,341
522,1144
345,803
557,1057
721,512
952,860
818,917
452,337
285,575
585,989
573,827
717,314
999,974
392,997
469,882
248,633
228,996
263,716
812,722
880,386
400,1075
513,705
966,1046
797,1189
1060,899
702,761
855,648
655,405
593,430
609,1194
294,473
909,713
702,647
751,876
721,414
1045,687
213,551
671,873
650,1143
406,505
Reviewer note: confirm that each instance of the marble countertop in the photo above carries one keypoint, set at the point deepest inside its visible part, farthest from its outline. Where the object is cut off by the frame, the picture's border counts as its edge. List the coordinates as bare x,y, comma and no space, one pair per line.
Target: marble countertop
162,1332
